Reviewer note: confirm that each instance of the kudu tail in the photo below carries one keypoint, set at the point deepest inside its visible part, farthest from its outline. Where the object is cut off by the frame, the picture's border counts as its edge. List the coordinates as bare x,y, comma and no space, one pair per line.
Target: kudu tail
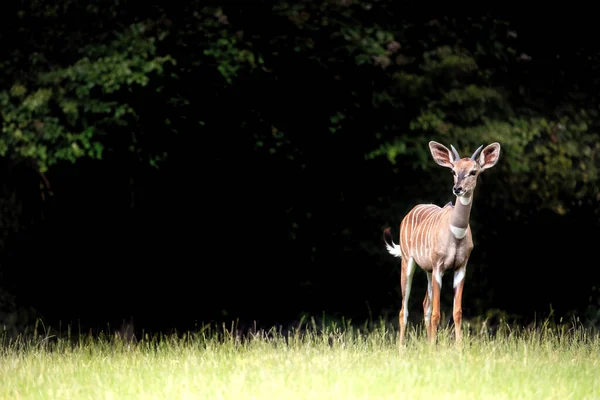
392,247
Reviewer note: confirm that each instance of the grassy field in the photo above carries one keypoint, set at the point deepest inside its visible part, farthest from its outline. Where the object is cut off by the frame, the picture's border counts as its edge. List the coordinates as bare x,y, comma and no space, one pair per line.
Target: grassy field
545,363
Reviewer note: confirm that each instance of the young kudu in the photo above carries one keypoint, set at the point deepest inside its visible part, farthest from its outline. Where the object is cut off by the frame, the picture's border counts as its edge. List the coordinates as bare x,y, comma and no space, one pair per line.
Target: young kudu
439,239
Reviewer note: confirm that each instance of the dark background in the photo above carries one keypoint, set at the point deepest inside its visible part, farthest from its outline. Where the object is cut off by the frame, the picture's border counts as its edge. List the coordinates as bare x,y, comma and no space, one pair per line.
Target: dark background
224,230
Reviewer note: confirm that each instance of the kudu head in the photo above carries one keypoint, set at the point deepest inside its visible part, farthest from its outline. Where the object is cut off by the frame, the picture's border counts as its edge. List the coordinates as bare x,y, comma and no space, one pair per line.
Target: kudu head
467,169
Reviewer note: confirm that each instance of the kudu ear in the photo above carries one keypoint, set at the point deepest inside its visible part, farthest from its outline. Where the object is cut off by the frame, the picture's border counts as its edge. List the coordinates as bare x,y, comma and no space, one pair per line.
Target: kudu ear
489,156
441,154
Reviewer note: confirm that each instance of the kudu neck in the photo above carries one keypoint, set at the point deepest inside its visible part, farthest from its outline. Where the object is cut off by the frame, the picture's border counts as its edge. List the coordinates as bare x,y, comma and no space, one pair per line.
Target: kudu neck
462,211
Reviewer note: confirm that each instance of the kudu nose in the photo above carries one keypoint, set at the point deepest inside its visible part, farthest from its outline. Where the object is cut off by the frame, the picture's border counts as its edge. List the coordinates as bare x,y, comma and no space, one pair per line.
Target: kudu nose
457,189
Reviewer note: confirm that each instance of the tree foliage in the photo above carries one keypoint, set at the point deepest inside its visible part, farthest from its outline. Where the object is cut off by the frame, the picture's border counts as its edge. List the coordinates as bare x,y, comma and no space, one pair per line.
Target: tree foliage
458,80
317,90
462,81
59,108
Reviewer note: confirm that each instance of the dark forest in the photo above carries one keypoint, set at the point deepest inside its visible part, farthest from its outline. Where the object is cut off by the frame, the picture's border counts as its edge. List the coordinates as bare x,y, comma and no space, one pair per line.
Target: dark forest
181,164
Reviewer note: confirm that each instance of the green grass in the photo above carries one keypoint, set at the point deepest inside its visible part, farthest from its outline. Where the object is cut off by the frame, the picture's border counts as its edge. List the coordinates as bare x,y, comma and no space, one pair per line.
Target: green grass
543,363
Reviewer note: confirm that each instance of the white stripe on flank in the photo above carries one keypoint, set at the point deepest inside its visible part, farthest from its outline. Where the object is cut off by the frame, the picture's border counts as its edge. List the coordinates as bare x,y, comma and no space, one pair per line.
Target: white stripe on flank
429,225
418,233
426,228
422,229
407,228
415,234
410,227
416,226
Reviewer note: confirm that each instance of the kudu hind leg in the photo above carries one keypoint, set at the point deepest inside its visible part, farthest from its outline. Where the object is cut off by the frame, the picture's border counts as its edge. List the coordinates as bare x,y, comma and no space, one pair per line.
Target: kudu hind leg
406,276
436,284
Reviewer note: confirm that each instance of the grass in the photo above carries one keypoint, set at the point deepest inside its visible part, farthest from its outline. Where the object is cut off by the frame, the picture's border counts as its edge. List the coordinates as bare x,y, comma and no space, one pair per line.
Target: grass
329,363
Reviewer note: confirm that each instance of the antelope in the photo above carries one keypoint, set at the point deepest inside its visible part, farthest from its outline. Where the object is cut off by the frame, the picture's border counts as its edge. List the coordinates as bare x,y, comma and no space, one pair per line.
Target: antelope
438,239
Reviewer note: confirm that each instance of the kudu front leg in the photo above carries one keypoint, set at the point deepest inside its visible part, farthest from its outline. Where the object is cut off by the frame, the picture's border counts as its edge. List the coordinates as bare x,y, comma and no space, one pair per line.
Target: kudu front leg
459,282
428,305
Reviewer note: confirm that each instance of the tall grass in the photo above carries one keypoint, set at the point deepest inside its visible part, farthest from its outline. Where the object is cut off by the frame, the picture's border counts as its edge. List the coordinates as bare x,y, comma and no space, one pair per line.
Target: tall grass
315,362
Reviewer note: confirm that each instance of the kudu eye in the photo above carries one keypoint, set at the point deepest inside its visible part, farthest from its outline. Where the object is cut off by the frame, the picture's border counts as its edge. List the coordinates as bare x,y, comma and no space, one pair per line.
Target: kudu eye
472,173
454,172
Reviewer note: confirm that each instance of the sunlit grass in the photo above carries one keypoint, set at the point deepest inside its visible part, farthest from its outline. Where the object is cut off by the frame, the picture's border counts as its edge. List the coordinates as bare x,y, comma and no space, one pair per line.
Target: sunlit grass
329,363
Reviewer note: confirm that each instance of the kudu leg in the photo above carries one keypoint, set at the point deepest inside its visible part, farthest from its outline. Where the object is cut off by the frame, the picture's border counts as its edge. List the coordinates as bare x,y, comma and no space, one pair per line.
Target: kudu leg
436,284
428,305
406,276
459,282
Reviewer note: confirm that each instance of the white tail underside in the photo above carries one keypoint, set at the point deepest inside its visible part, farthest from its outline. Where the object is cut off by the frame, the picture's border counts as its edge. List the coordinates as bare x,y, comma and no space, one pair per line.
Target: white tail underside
394,249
